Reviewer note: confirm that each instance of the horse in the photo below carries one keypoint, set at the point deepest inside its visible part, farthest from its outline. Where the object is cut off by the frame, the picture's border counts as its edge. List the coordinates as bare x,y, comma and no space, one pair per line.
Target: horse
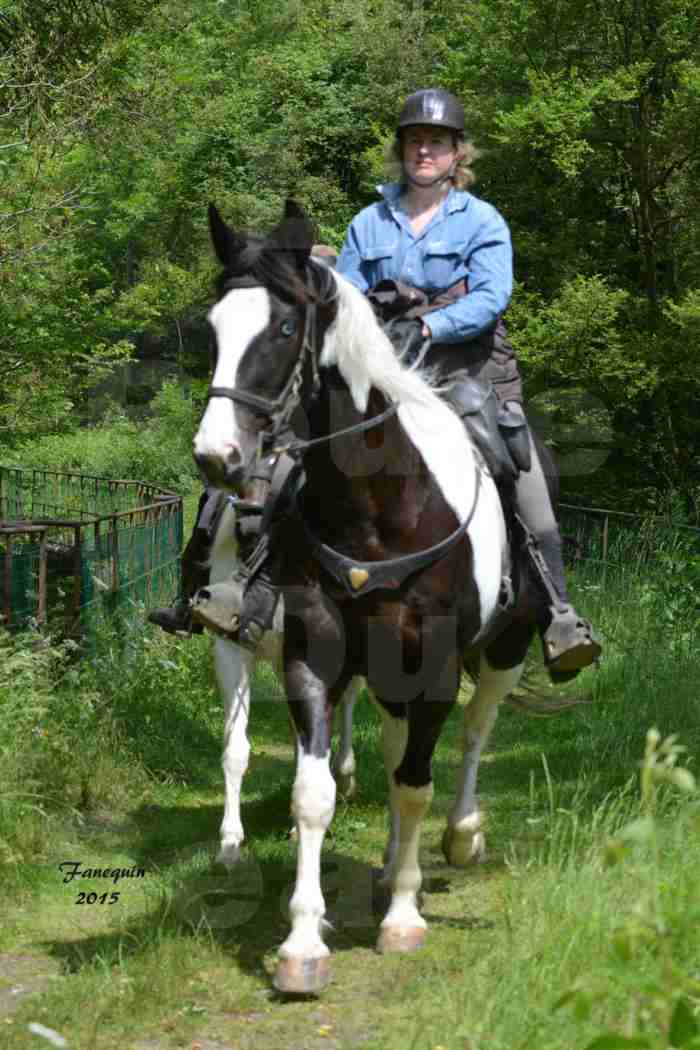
234,668
392,564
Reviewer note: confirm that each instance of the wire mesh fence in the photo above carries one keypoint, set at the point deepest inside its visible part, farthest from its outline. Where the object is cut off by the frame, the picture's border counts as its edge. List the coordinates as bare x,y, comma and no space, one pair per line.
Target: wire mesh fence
617,541
75,547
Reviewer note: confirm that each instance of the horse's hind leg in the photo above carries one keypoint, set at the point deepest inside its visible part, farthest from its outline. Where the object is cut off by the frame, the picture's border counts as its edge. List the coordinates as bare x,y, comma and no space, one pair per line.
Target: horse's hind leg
344,761
233,669
463,840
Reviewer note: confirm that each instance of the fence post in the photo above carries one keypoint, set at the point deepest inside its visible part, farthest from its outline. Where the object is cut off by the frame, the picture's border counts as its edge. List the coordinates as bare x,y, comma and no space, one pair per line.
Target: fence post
41,600
115,552
7,615
77,575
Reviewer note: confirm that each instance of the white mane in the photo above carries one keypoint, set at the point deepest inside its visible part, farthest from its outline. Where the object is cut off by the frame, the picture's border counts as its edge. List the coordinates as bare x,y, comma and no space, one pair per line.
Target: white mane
365,358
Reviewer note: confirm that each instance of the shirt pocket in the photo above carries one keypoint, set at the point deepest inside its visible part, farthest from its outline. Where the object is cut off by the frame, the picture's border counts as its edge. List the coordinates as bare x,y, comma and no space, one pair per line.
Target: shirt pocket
443,264
377,262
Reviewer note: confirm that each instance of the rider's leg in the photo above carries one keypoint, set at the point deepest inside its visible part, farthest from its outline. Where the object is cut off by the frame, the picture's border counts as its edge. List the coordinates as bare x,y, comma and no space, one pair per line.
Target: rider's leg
177,618
569,641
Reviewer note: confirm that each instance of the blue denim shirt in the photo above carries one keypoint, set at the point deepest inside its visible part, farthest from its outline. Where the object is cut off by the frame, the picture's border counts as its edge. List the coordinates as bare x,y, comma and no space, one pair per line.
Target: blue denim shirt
466,238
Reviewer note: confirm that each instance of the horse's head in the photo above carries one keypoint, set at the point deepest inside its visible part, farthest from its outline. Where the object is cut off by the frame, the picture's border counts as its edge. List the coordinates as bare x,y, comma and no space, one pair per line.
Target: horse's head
262,342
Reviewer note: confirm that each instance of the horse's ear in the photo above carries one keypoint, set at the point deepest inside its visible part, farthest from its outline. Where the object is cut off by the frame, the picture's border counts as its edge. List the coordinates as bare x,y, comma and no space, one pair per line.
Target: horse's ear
292,210
293,235
227,243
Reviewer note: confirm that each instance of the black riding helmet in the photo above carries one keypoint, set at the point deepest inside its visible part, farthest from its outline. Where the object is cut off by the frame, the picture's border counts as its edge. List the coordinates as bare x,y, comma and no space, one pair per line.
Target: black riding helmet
435,107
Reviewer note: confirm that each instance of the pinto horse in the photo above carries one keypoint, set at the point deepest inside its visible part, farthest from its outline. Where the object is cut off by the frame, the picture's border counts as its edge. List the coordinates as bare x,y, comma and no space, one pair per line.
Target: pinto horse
392,567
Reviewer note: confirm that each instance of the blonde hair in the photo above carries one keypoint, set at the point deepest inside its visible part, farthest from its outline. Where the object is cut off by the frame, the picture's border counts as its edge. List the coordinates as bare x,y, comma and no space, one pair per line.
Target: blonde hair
463,177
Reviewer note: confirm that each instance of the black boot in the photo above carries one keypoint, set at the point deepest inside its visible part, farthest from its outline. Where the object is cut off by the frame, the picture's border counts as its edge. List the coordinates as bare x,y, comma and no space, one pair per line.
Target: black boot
177,618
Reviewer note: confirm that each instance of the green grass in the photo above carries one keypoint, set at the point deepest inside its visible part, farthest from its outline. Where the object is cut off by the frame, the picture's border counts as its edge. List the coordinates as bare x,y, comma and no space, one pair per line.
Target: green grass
125,772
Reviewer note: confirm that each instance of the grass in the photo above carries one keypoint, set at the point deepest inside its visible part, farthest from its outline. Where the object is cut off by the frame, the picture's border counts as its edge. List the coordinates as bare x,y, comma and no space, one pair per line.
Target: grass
571,904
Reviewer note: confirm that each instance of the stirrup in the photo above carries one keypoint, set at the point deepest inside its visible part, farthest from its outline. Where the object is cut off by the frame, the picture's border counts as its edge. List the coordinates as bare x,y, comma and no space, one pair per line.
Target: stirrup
218,607
569,643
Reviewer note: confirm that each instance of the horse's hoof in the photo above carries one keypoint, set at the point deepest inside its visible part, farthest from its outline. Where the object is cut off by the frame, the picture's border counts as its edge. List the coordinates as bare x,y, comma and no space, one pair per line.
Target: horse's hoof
462,849
298,976
401,939
229,854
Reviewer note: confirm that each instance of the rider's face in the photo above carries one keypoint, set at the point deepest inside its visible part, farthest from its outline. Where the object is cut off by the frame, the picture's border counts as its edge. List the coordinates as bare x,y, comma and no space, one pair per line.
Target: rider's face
428,152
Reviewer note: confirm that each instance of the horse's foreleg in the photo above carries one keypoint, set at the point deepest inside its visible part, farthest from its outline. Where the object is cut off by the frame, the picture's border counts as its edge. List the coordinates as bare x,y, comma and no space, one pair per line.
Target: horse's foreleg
463,841
344,760
304,964
233,668
403,928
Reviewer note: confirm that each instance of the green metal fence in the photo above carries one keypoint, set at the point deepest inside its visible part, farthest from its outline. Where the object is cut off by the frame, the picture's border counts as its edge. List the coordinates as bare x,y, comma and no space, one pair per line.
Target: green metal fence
74,547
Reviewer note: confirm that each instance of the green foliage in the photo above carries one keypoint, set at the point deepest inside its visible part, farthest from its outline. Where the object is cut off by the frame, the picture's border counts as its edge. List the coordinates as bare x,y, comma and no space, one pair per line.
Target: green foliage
158,450
662,1010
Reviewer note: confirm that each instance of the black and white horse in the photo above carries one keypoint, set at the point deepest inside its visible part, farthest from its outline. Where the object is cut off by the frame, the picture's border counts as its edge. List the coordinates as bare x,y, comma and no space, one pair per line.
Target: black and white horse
392,569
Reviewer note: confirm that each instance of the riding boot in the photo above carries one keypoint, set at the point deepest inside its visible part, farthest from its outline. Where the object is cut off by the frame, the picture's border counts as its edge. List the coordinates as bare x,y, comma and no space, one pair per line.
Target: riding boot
241,608
177,618
569,642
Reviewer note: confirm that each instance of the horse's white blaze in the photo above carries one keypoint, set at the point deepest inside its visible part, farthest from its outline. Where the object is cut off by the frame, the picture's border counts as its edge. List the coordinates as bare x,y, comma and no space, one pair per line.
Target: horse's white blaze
313,804
366,358
242,314
411,804
479,717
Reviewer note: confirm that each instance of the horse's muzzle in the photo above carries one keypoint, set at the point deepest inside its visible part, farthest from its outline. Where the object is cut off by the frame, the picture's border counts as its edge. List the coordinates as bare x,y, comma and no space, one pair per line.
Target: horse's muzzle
225,474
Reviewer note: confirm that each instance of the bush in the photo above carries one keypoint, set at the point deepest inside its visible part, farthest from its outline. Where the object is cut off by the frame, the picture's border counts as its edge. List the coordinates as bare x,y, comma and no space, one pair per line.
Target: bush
158,451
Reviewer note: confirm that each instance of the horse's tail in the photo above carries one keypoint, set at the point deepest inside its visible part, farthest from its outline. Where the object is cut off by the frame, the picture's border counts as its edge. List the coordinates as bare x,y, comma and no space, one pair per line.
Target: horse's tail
539,703
530,699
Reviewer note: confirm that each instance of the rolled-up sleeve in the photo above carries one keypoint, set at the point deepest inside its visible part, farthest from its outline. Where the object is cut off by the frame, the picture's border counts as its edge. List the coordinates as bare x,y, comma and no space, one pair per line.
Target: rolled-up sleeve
350,260
489,259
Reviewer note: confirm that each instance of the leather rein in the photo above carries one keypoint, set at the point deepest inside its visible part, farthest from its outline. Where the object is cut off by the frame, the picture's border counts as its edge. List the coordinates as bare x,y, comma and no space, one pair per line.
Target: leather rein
357,577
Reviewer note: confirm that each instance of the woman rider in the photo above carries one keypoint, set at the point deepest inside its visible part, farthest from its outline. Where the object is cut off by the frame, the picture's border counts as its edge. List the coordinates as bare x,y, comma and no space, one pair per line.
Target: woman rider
430,234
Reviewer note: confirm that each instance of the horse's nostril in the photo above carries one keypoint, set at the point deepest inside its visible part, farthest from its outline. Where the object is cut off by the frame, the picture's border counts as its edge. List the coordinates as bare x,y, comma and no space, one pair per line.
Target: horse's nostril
234,458
204,593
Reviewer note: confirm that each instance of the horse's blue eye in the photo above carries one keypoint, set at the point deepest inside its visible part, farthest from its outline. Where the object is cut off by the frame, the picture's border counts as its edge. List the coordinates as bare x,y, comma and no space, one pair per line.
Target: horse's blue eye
288,327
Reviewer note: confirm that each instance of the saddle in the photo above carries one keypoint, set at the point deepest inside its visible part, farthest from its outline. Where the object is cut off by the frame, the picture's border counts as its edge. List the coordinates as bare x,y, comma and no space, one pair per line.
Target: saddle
500,435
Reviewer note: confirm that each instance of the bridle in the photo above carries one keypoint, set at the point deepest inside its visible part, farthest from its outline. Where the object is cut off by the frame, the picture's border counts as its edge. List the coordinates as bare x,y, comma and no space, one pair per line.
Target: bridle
279,410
